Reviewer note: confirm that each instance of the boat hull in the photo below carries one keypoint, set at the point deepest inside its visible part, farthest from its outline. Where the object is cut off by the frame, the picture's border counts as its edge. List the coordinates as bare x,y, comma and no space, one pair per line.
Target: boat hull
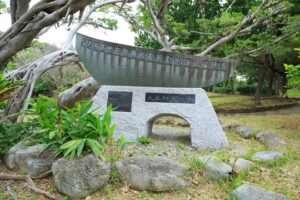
116,64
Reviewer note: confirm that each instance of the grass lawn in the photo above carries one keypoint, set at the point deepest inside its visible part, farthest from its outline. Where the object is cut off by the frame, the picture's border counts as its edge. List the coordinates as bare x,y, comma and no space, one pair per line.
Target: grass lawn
293,93
236,102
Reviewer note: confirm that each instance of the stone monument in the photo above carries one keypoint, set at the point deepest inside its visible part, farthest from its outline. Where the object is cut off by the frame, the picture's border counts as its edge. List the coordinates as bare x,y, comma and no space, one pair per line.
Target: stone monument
143,84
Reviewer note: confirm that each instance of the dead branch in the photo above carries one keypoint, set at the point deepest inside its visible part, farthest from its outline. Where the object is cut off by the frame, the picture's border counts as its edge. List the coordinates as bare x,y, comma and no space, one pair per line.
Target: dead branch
30,73
30,184
84,89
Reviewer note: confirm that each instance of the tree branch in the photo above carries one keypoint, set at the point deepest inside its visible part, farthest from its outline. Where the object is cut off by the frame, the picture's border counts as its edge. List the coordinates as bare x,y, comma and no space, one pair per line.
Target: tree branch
30,184
30,73
85,17
234,33
45,13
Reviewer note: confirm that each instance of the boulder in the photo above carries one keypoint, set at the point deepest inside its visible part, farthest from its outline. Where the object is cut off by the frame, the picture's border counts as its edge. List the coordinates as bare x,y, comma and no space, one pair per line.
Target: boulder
267,156
80,177
252,192
244,131
153,174
33,160
271,140
215,169
242,165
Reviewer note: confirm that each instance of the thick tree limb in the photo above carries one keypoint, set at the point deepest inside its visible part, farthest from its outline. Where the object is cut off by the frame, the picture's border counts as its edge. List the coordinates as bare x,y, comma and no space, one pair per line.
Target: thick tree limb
83,90
30,184
159,30
27,27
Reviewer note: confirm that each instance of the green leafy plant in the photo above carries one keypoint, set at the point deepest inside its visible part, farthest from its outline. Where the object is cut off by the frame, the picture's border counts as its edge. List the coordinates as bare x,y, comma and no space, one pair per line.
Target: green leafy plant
293,75
7,87
74,131
11,134
144,140
44,87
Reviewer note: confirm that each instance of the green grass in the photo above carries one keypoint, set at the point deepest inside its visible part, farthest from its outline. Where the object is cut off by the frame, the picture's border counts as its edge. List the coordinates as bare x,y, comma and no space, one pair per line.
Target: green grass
293,92
194,164
232,102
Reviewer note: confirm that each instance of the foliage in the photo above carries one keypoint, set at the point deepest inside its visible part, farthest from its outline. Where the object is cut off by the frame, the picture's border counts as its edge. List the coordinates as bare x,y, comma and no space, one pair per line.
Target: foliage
44,87
12,133
144,140
74,131
7,87
293,75
246,89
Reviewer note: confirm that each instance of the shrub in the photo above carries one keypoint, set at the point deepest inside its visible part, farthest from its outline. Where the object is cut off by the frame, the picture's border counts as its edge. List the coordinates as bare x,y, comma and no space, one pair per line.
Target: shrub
44,87
144,140
71,132
11,134
223,90
246,89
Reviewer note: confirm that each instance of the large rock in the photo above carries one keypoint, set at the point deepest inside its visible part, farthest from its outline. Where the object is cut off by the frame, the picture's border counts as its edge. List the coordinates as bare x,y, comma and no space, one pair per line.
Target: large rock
33,160
80,177
242,165
244,131
267,156
252,192
270,140
153,174
215,169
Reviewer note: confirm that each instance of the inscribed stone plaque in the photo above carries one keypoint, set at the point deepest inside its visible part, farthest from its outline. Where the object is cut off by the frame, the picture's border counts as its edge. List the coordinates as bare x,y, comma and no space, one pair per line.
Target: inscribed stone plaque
120,101
170,98
205,129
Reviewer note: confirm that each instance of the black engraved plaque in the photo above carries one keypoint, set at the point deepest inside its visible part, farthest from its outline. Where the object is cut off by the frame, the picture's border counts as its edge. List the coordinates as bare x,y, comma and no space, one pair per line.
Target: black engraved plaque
170,98
120,101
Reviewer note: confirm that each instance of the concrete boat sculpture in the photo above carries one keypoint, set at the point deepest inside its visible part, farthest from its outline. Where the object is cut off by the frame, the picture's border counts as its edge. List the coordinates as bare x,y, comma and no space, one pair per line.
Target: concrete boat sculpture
117,64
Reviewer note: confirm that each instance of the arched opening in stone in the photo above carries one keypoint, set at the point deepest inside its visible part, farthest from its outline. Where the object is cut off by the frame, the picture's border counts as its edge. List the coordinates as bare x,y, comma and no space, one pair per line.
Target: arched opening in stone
170,127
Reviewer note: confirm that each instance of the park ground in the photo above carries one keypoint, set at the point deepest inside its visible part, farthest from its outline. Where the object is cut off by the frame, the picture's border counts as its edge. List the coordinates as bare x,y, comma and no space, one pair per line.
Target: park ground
282,176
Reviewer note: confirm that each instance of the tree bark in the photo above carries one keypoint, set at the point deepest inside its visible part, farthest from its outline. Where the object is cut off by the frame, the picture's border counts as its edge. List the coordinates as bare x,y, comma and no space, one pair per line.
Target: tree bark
270,83
27,27
83,90
18,8
259,85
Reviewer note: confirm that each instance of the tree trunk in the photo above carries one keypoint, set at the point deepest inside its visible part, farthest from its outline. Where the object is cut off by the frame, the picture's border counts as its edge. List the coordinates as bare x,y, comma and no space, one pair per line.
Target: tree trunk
259,85
18,8
270,83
